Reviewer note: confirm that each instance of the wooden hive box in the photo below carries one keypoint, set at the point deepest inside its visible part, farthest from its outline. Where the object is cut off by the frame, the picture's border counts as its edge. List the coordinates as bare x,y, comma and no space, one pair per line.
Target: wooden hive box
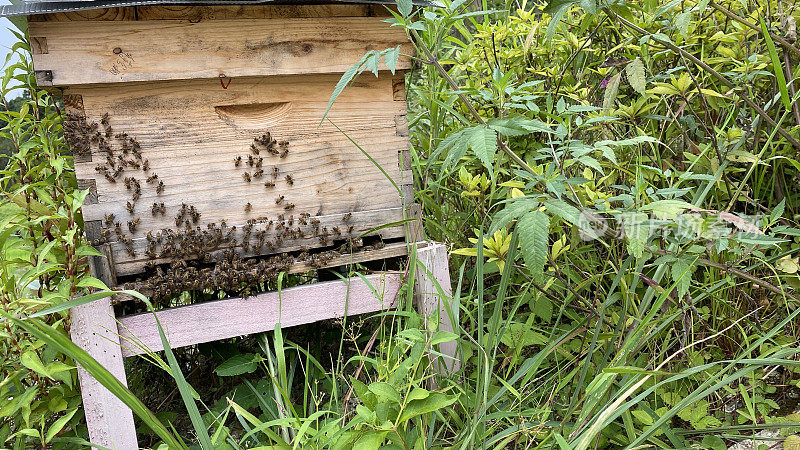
204,123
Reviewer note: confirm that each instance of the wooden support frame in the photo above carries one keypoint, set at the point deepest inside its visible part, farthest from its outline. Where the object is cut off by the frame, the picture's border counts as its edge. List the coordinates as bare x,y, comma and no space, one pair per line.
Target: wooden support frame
109,339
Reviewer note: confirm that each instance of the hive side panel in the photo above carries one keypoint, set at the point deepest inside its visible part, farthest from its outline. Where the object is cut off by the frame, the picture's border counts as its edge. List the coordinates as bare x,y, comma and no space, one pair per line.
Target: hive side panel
191,132
101,51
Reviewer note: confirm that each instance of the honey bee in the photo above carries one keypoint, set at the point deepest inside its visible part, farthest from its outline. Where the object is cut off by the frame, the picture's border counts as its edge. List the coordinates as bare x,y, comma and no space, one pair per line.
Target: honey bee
346,217
275,172
152,178
289,180
136,195
248,207
284,148
289,206
254,149
101,168
250,160
133,224
246,177
237,161
279,200
258,173
259,162
350,229
109,219
269,184
146,165
154,209
160,187
162,209
130,206
336,231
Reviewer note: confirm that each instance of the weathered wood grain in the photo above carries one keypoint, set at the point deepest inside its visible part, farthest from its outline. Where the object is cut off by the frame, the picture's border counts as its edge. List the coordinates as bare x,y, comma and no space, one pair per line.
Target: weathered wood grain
433,291
93,328
100,51
191,131
196,13
223,319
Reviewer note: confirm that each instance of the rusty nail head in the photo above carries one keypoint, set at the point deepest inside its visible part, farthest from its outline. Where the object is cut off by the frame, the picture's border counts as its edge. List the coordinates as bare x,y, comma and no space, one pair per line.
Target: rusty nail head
117,50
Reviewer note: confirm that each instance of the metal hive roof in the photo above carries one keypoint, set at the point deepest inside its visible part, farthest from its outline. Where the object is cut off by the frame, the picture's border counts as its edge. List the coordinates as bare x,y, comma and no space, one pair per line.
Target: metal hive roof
27,8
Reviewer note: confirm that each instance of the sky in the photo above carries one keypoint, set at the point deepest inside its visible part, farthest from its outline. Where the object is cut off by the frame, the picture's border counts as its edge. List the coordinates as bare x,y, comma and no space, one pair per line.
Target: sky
7,39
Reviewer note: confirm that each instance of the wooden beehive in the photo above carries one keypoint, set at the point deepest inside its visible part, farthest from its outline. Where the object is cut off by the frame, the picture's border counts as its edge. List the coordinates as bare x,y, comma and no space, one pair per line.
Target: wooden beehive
187,90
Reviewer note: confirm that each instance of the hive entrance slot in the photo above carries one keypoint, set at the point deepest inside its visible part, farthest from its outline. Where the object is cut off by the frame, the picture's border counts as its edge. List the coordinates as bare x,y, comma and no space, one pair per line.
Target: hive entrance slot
254,116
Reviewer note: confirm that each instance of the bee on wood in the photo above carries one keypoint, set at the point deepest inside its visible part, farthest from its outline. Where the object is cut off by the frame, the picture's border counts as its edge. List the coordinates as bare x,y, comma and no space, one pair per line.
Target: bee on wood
130,206
350,229
151,250
195,215
248,207
258,173
146,165
160,187
289,206
109,219
269,184
152,178
118,230
110,178
254,149
346,217
275,172
136,195
128,183
259,162
155,209
284,148
130,250
118,172
336,231
237,161
101,168
162,209
279,200
133,224
289,179
178,221
246,177
105,234
250,160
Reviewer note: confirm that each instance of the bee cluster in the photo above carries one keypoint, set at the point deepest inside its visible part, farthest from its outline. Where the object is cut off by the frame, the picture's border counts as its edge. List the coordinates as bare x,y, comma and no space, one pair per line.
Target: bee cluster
230,272
269,146
122,152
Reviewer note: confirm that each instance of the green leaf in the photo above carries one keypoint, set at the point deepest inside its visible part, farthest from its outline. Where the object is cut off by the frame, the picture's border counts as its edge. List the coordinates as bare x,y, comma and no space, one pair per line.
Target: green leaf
612,88
404,7
533,231
682,276
347,77
390,58
443,336
385,390
434,402
777,67
371,440
483,142
636,77
58,425
31,360
682,22
519,335
238,365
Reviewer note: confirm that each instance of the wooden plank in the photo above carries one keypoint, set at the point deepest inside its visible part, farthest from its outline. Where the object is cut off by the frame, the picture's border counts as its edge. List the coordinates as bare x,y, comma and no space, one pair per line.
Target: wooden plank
191,146
94,329
431,279
197,13
224,319
124,51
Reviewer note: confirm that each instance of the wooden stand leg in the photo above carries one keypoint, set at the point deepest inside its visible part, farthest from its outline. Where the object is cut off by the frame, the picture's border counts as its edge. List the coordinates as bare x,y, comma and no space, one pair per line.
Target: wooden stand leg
94,329
434,257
